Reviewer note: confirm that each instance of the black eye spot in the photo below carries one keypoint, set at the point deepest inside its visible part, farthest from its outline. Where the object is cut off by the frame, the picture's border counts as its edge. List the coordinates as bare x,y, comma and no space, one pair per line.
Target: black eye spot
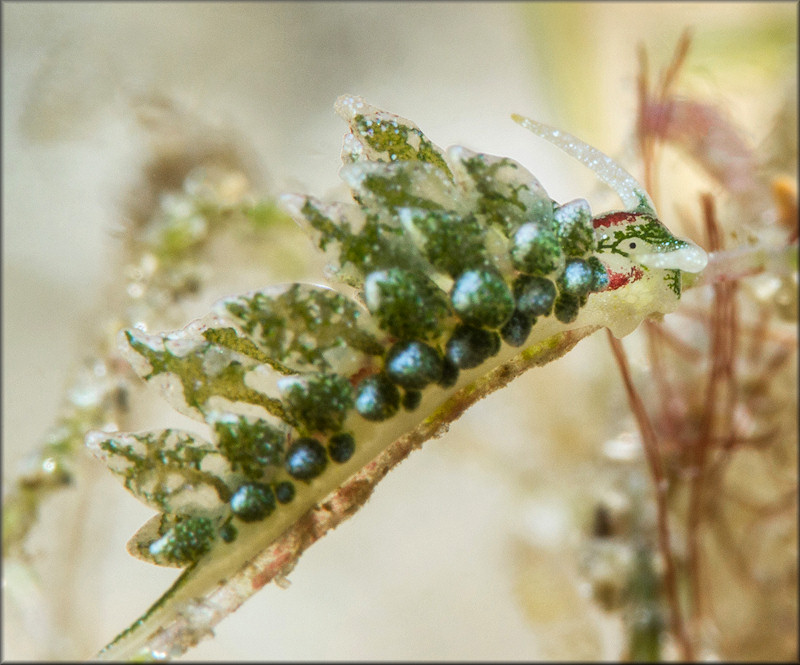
632,245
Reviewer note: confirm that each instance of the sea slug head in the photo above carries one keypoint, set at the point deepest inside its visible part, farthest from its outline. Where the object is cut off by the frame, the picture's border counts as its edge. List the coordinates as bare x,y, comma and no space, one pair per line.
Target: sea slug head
644,262
632,244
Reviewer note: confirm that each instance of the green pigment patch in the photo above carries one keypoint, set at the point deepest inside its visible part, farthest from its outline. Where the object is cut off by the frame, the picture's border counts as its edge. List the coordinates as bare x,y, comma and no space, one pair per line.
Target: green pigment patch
507,194
647,229
250,446
406,304
482,298
452,243
199,384
228,338
378,245
673,280
575,229
170,470
317,402
301,325
396,141
328,229
185,542
392,186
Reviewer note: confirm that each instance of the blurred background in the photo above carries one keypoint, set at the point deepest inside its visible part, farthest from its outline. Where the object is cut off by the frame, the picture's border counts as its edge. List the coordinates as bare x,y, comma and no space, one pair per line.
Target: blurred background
459,553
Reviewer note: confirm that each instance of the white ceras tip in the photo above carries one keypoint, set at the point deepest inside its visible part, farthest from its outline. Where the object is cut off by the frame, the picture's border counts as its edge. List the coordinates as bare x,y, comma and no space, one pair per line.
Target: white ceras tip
348,106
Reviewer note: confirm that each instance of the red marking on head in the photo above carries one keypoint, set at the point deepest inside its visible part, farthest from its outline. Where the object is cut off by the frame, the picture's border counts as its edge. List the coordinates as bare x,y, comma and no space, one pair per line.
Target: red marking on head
614,218
617,280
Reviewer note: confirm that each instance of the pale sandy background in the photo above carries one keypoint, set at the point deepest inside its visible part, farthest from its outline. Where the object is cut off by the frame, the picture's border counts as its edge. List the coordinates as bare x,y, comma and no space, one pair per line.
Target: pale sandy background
430,569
